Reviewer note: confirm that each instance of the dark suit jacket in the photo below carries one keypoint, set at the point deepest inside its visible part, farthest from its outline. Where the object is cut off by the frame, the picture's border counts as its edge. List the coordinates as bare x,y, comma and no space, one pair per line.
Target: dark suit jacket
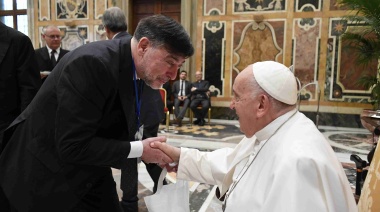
76,128
152,111
176,88
43,58
19,77
202,88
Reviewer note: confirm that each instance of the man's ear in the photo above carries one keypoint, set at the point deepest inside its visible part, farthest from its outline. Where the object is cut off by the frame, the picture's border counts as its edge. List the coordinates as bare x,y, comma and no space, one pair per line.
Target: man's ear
142,45
264,105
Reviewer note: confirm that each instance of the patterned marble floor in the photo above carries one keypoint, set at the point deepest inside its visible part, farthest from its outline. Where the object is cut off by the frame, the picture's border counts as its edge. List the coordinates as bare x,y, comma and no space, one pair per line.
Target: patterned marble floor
222,133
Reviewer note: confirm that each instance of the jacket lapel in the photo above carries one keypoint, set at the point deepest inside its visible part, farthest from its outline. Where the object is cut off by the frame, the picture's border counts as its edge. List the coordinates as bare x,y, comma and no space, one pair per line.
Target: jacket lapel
126,93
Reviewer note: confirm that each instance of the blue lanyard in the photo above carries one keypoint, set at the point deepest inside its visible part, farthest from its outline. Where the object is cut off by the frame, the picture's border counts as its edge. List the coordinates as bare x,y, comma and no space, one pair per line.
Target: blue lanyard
138,99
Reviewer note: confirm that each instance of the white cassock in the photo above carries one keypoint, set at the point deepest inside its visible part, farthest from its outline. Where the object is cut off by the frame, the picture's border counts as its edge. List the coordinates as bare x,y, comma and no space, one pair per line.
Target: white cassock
295,170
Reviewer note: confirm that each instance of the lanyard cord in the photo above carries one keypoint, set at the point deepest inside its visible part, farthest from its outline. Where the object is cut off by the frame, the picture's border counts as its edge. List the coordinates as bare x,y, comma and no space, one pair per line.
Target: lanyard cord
138,99
250,163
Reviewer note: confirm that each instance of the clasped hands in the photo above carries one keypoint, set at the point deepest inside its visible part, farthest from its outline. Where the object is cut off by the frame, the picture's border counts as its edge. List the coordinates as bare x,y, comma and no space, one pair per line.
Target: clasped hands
182,98
157,151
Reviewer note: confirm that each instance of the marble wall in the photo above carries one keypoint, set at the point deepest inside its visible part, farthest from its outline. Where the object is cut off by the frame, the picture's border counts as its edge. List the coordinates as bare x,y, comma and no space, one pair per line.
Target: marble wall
229,35
302,33
78,20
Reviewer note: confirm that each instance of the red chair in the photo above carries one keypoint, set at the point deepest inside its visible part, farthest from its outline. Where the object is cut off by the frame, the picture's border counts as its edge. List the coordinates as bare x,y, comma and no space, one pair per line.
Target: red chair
166,110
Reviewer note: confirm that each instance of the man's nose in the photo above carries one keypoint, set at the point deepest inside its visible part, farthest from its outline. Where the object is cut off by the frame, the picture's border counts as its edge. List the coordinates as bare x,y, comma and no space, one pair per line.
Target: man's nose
173,74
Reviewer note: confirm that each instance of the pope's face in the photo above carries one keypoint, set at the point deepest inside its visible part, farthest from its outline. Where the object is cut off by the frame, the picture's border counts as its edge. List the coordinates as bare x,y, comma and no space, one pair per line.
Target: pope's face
159,66
244,104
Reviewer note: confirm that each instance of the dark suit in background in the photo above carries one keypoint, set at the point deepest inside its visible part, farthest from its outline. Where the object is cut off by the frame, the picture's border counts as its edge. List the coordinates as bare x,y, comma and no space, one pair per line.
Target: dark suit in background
180,112
200,96
19,81
85,106
43,58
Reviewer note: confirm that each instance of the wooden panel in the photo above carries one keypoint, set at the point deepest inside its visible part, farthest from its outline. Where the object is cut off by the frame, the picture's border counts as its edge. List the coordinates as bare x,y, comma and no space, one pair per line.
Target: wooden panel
144,8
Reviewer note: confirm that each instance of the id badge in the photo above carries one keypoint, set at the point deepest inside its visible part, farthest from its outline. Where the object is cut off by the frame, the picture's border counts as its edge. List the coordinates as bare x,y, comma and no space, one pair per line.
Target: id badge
139,133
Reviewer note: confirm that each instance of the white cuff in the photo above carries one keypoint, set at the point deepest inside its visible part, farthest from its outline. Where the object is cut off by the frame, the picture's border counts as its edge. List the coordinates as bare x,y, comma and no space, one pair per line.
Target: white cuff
136,149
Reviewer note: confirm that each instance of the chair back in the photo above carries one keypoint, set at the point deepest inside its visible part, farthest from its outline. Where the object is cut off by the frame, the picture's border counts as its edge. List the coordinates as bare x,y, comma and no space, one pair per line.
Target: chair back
163,96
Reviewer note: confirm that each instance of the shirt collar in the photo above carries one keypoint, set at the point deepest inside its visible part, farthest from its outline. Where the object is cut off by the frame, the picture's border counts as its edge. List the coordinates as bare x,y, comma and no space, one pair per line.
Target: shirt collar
49,50
268,130
115,35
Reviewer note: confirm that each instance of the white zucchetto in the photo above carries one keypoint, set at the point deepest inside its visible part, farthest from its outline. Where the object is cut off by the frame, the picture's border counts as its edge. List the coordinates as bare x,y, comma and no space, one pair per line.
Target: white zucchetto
277,80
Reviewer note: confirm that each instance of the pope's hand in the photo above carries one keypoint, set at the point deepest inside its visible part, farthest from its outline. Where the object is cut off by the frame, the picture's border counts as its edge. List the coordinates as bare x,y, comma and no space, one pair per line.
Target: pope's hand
171,151
154,155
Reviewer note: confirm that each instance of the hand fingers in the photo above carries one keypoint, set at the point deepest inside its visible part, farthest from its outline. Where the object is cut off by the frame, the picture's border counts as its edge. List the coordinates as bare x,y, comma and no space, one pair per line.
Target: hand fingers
156,139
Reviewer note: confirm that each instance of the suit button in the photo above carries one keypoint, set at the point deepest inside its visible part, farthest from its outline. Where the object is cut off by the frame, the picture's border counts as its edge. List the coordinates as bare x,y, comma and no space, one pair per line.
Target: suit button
89,185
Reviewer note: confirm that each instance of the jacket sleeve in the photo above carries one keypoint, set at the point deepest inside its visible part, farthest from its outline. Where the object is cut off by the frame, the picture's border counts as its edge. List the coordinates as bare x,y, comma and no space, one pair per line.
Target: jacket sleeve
28,75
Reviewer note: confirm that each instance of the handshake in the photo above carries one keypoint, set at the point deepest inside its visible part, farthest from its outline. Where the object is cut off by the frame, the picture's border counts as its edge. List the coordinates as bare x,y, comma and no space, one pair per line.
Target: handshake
157,151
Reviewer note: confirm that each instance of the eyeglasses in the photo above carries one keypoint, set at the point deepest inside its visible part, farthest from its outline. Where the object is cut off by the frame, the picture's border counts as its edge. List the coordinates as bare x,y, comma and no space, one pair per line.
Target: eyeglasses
238,99
53,36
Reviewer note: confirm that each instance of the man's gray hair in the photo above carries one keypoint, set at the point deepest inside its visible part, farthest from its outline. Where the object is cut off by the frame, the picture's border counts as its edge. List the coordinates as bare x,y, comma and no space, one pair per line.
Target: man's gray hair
114,19
47,27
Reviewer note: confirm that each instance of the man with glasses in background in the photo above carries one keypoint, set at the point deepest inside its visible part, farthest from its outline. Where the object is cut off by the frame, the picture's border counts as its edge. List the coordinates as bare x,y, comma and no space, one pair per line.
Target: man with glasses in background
49,55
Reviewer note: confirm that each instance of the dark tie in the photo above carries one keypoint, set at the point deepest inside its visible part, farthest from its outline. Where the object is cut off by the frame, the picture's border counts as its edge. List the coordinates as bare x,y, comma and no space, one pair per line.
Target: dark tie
52,58
182,88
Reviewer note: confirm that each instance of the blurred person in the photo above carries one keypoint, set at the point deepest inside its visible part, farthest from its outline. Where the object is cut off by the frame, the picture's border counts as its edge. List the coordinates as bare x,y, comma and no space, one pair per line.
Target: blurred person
200,95
19,79
84,118
49,55
181,92
282,164
115,24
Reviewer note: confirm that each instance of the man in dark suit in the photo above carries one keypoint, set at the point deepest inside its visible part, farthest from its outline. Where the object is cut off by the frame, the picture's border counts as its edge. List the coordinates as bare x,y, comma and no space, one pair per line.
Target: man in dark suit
49,55
19,78
83,119
181,92
115,25
200,95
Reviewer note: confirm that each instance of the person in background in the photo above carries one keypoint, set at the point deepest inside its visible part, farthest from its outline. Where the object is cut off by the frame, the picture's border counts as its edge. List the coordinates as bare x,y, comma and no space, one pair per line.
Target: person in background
181,92
115,24
85,120
200,95
19,79
282,164
49,55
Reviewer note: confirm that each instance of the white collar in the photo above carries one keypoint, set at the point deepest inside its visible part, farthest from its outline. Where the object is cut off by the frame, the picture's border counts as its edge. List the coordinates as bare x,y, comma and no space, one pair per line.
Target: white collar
268,130
49,50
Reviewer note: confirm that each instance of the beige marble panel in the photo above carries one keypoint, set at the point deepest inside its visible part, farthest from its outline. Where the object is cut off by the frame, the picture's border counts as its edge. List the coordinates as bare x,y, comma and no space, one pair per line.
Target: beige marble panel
44,10
99,7
210,5
257,42
306,33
